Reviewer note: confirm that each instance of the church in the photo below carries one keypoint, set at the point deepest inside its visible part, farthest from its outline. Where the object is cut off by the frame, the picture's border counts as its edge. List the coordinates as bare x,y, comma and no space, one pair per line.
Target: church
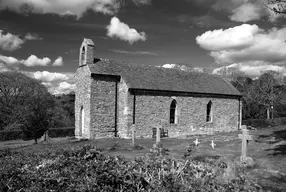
114,96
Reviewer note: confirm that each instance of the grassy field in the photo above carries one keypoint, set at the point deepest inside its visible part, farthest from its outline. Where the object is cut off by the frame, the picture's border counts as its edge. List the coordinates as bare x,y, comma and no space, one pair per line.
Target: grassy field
268,149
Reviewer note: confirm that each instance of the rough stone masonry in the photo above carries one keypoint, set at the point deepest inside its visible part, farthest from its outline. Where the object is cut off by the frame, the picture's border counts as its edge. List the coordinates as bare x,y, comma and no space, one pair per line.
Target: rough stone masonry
111,96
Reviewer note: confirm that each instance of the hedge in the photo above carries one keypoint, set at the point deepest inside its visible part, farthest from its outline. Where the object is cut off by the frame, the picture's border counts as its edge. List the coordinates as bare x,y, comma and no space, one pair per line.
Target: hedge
61,132
263,123
10,135
52,132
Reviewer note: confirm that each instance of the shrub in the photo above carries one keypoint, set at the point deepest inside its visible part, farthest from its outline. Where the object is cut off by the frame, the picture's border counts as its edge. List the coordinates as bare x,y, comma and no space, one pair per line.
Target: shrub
53,132
86,169
263,123
10,135
61,132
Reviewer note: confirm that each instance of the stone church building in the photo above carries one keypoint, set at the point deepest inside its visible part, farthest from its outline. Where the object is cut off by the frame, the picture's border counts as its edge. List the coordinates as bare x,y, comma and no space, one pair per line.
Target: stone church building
111,96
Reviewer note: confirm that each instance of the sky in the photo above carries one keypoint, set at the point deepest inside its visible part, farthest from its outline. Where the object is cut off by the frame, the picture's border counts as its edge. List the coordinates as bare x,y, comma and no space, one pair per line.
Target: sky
42,37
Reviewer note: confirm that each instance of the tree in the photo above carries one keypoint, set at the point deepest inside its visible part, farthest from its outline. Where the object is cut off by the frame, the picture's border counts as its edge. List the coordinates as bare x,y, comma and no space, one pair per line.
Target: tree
268,89
277,6
27,102
244,85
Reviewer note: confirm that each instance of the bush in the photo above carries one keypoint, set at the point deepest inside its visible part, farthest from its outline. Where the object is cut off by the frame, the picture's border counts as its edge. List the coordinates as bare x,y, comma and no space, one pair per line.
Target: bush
61,132
263,123
10,135
53,132
86,169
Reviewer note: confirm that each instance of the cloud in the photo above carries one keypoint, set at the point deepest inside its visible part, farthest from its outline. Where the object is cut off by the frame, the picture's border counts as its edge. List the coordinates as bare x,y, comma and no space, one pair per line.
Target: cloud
245,43
250,69
32,61
10,42
35,61
182,67
134,52
46,76
30,36
8,63
232,38
247,12
66,7
58,62
118,29
57,83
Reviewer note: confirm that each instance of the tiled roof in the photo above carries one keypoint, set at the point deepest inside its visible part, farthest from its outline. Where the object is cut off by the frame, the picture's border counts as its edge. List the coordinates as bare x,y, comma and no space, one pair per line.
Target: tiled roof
158,78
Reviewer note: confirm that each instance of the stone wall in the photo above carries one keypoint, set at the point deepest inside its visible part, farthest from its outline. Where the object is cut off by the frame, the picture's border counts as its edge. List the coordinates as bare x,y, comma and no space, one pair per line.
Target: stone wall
150,111
82,100
125,110
102,105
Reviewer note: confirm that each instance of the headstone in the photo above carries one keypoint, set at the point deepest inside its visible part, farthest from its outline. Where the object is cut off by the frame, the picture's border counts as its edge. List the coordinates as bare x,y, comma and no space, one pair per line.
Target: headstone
196,142
192,128
213,144
245,137
158,134
133,134
225,170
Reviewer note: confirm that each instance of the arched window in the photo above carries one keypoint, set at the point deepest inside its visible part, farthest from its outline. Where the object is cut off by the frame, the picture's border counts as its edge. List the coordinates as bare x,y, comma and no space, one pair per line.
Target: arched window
209,112
173,112
82,55
82,121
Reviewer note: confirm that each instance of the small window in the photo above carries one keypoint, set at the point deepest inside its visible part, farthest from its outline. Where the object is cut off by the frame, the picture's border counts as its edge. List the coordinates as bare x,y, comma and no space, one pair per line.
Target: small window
173,112
209,112
82,55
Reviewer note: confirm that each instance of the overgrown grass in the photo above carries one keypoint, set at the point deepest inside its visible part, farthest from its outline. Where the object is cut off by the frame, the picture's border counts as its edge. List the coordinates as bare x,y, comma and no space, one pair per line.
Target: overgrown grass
86,169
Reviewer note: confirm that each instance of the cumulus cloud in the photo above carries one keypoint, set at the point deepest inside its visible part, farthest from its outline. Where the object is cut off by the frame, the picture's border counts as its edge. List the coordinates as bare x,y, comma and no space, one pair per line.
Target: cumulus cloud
245,43
183,67
33,60
58,62
118,29
66,7
10,42
247,47
248,12
30,36
46,76
8,63
250,69
232,38
57,83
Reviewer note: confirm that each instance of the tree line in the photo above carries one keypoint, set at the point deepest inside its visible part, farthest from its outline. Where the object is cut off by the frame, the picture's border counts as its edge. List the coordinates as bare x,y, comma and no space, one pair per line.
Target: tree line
263,97
26,104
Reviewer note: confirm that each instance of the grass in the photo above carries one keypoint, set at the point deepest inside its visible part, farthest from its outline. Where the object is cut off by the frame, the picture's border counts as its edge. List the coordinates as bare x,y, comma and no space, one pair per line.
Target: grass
268,149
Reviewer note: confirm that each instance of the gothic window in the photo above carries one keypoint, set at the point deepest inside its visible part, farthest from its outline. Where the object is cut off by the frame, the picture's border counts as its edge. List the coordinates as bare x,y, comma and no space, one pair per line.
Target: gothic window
209,112
82,121
173,112
82,55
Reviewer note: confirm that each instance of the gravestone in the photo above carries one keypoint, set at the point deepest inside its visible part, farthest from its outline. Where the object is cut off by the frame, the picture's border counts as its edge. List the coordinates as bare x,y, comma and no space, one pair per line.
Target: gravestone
158,134
225,170
158,148
133,135
245,137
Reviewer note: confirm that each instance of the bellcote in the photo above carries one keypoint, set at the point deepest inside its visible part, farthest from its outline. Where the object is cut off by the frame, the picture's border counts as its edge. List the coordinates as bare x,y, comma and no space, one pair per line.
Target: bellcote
86,52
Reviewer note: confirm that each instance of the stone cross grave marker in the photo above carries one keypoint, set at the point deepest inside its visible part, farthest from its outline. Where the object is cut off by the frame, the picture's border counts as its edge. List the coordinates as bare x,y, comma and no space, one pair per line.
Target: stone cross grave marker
133,134
245,137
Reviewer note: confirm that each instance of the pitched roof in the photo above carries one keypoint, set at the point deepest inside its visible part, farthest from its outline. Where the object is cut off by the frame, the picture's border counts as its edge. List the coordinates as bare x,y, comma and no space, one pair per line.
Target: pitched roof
158,78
